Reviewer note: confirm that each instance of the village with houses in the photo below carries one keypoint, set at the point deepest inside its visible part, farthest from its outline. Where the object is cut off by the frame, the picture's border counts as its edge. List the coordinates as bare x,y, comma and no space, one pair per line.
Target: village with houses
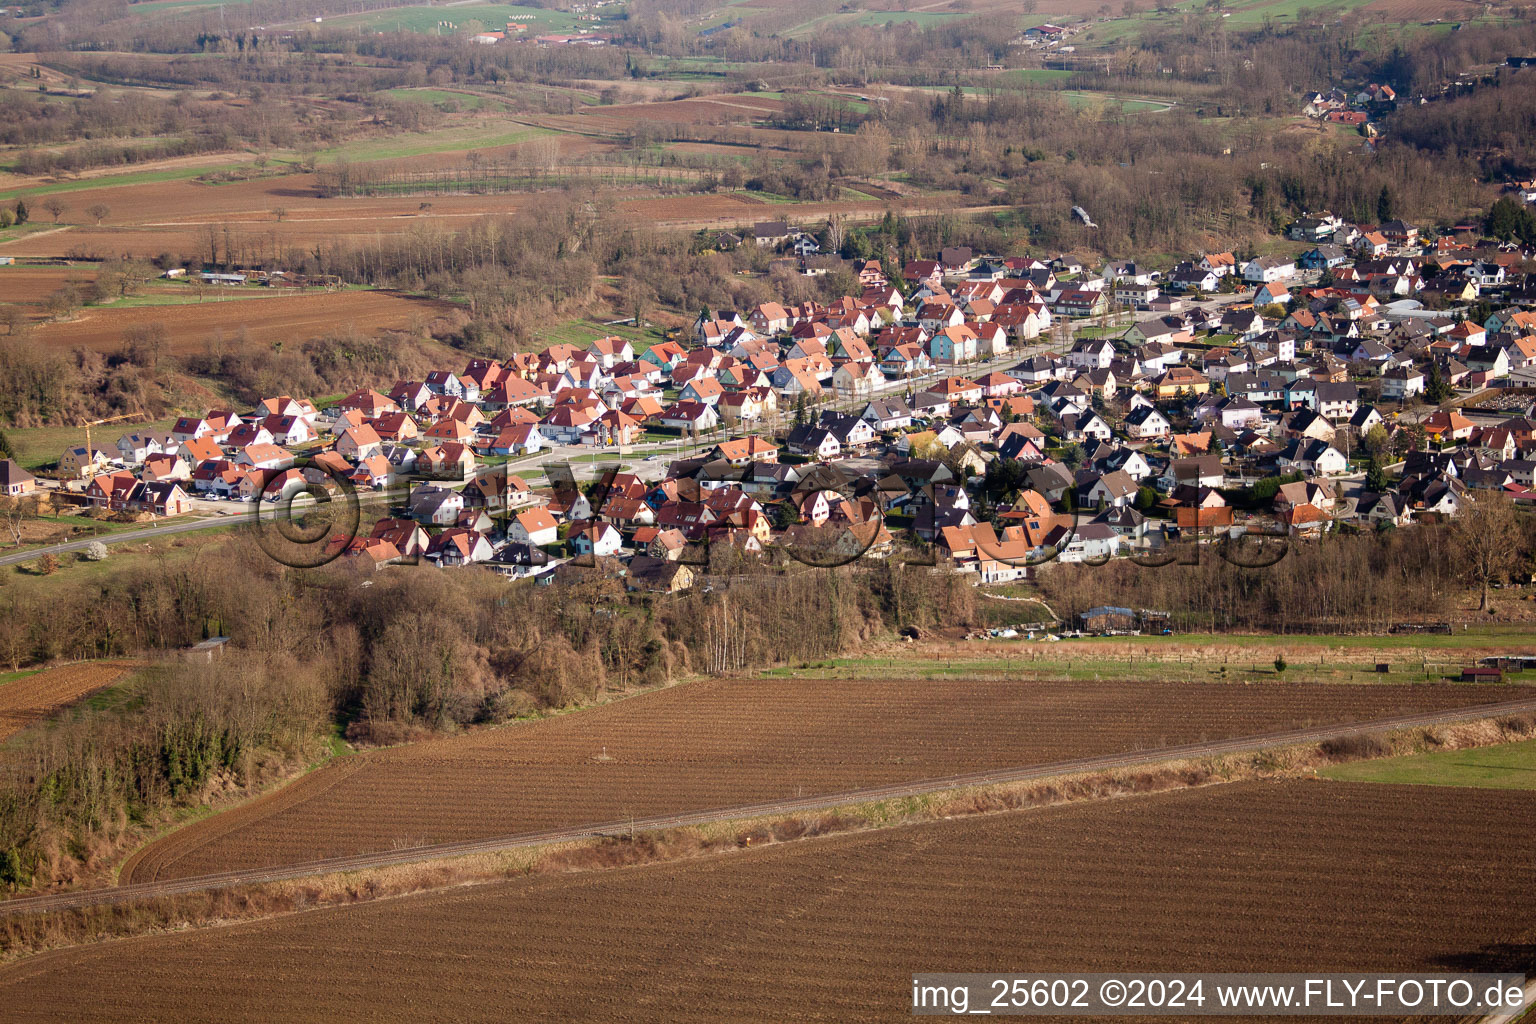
690,511
998,412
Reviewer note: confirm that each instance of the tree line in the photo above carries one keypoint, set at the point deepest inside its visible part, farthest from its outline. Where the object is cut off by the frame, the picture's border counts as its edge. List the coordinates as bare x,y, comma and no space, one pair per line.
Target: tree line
415,653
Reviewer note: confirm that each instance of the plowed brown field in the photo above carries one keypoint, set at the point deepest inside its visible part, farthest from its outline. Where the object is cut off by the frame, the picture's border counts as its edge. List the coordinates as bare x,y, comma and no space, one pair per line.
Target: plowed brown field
26,700
1292,876
722,744
34,284
151,218
266,319
313,221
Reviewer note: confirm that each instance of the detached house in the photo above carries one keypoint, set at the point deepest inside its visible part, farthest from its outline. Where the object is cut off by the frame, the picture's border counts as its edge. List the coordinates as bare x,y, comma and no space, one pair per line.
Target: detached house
264,456
1274,294
534,527
815,441
954,344
1092,354
1147,423
1219,263
612,350
690,416
598,539
1450,425
905,360
368,402
359,443
851,431
81,461
1201,471
1180,380
1400,233
1317,457
1268,269
741,451
458,546
1080,302
288,429
1188,277
857,380
1324,257
888,414
134,448
410,394
1402,383
1114,489
15,481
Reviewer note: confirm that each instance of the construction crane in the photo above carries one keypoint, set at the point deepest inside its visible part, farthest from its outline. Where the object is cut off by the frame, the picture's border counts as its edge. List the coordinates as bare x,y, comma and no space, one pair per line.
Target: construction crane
89,451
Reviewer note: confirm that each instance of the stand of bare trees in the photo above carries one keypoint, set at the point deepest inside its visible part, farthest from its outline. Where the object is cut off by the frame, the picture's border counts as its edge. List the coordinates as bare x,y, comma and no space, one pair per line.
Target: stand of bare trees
1491,539
1350,582
726,643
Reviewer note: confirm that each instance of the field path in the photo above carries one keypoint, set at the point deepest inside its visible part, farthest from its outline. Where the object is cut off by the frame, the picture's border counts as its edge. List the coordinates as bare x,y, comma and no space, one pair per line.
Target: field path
1113,762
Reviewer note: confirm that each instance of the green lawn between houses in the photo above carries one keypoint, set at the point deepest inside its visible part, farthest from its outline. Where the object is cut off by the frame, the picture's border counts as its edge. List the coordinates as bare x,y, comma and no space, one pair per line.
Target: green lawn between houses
42,446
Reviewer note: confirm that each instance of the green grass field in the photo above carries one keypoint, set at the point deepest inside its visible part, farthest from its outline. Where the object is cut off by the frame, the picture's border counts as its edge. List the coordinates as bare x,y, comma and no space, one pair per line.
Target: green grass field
480,135
117,697
583,332
457,18
434,97
1035,76
41,446
113,180
11,677
1073,97
1244,658
456,137
1242,16
1128,106
175,549
1507,766
1483,636
922,19
161,7
16,231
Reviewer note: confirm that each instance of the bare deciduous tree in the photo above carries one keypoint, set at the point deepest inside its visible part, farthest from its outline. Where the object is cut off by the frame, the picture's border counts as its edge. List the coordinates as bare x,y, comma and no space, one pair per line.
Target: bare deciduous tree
1488,536
12,514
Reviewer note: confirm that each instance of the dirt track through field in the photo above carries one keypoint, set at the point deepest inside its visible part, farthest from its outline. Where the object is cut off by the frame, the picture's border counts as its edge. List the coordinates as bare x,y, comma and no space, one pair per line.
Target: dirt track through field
1278,876
726,743
24,701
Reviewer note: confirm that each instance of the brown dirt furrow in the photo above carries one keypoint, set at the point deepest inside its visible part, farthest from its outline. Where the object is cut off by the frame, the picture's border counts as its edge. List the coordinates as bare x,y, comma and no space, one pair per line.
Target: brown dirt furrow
34,284
1298,876
727,743
263,320
145,864
26,700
